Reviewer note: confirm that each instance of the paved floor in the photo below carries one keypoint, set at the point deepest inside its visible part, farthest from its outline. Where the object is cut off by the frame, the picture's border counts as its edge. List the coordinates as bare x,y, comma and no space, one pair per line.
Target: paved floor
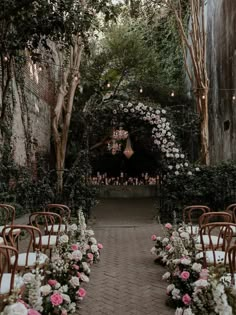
126,281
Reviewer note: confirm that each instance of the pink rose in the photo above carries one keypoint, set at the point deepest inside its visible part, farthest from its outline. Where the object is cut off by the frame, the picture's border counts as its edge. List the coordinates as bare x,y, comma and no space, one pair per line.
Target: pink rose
52,282
90,256
168,226
153,237
100,246
186,299
75,267
168,247
64,312
184,275
33,312
74,247
56,299
204,274
81,292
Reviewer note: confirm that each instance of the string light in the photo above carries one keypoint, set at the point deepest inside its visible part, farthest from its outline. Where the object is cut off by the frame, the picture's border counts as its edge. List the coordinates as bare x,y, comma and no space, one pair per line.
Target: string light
76,78
108,85
141,90
5,58
233,97
172,94
203,97
40,68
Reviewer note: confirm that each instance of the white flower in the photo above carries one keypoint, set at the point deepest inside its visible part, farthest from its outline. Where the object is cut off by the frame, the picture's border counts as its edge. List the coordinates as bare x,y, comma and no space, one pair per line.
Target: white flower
190,173
63,239
182,156
185,235
177,155
64,288
74,281
153,250
77,255
165,240
176,173
163,111
15,309
188,311
89,232
157,112
201,283
72,227
85,266
197,267
45,289
66,298
94,248
176,261
186,164
93,240
197,169
129,105
179,311
114,112
84,278
185,261
170,167
177,166
121,105
28,277
57,285
175,294
166,275
169,288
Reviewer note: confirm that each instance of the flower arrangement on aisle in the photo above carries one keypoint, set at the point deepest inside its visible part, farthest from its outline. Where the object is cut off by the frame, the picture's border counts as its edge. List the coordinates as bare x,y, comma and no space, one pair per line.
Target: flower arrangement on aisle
57,289
192,289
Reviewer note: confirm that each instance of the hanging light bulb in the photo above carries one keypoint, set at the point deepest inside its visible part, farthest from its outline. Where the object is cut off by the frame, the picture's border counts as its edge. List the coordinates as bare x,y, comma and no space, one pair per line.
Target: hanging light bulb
172,94
108,85
141,90
233,97
5,58
76,78
203,97
40,68
128,152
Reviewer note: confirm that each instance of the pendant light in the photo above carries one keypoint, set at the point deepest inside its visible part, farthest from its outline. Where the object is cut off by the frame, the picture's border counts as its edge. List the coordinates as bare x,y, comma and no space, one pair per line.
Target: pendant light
128,152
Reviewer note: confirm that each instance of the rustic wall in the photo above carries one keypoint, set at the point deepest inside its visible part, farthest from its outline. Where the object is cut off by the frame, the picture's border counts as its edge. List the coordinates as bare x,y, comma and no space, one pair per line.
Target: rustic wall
221,29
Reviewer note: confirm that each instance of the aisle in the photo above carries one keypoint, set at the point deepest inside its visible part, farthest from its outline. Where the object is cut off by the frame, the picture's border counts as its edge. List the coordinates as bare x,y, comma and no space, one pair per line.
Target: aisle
126,281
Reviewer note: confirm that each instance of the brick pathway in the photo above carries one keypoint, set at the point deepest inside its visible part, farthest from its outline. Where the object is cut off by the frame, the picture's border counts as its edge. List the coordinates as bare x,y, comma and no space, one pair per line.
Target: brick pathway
126,281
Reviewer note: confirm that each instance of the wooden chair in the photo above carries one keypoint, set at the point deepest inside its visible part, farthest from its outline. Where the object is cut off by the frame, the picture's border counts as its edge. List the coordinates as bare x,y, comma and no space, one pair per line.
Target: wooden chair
7,217
29,250
9,280
63,211
191,214
232,263
219,237
48,223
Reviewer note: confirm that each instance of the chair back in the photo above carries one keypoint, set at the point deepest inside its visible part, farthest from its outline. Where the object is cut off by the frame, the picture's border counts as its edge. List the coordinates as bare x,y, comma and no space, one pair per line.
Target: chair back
6,252
232,262
61,209
7,214
194,212
211,217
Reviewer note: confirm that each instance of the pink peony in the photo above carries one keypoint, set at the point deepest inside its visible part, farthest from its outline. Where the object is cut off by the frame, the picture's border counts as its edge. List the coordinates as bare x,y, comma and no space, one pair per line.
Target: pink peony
52,282
56,299
204,274
74,247
81,292
100,246
186,299
184,275
168,226
153,237
75,267
33,312
90,256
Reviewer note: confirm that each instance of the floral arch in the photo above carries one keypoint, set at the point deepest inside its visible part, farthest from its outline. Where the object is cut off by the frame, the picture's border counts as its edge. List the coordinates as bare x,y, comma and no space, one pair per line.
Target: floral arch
162,135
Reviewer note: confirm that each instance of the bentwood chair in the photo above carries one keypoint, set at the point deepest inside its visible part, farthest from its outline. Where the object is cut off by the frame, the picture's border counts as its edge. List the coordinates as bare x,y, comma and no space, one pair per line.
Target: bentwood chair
63,210
219,237
7,217
47,222
9,280
29,250
191,215
232,263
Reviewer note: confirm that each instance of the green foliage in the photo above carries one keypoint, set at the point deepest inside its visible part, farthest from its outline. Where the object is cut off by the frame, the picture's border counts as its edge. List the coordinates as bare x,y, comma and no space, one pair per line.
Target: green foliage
214,186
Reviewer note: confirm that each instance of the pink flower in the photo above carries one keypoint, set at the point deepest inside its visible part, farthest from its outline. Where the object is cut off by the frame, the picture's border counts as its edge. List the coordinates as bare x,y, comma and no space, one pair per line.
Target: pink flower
90,256
75,267
168,226
78,275
186,299
204,274
64,312
52,282
56,299
168,247
100,246
184,275
74,247
153,237
81,292
33,312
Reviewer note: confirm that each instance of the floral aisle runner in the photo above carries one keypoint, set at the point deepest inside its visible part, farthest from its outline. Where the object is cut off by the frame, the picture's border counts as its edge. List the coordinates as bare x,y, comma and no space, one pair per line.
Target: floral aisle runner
191,288
57,288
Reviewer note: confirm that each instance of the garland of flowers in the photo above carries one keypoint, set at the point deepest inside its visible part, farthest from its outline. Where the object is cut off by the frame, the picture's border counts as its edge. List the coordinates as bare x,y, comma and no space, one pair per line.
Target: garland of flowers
191,288
162,135
57,289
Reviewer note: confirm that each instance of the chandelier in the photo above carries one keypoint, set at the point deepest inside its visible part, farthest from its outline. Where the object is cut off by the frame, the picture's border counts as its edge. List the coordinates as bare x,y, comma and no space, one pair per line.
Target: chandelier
117,135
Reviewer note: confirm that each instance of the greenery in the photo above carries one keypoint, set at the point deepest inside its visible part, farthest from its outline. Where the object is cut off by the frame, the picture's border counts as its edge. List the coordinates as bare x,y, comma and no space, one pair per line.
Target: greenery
214,186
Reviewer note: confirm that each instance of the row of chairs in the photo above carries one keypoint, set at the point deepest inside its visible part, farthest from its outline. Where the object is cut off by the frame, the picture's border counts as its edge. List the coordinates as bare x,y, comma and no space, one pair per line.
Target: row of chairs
25,245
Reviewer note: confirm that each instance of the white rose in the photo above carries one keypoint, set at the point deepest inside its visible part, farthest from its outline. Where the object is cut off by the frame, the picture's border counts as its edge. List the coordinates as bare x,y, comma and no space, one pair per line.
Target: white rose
74,281
85,266
45,289
57,286
170,288
163,111
89,232
15,309
165,240
77,255
176,173
170,167
188,311
166,275
177,166
186,164
201,283
177,155
176,294
185,261
28,277
197,169
72,227
196,267
190,173
129,105
94,248
64,239
179,311
182,156
66,298
84,278
184,235
153,250
64,288
93,240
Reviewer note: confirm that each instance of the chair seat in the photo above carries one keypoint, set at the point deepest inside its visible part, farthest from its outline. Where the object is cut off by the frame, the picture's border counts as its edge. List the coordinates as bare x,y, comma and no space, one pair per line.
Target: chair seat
55,228
47,240
214,239
31,259
15,231
6,283
219,256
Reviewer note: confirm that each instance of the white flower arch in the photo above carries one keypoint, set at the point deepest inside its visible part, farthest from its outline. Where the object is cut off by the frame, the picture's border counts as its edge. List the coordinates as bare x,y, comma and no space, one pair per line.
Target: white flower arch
163,137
